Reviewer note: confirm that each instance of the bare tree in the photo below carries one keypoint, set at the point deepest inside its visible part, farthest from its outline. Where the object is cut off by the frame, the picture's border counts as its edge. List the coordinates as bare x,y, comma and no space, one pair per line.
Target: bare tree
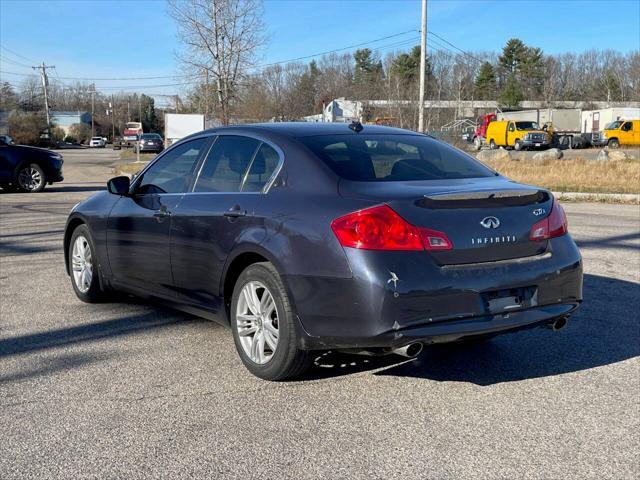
221,38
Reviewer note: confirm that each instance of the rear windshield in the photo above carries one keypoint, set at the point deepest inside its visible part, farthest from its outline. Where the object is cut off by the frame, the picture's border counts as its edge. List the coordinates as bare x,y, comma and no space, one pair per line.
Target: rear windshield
388,158
150,135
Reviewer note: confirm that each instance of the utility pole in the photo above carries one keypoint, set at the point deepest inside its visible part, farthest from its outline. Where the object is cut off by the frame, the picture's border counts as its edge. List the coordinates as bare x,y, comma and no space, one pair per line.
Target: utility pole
423,65
45,85
113,118
93,108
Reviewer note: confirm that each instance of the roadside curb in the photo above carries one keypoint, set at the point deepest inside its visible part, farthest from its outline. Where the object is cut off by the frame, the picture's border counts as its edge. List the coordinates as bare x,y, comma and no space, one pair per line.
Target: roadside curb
598,197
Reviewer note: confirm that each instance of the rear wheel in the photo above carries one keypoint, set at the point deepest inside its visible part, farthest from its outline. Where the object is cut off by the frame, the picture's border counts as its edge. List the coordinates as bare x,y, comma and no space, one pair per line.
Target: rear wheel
31,178
614,143
263,325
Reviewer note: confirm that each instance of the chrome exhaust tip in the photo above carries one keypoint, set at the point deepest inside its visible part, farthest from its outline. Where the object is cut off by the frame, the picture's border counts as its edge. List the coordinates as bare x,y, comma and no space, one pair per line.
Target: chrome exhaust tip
410,351
558,324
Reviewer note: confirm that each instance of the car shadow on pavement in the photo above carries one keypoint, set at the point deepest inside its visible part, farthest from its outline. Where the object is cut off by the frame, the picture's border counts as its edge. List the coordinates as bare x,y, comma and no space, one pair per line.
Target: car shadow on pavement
615,242
160,317
603,331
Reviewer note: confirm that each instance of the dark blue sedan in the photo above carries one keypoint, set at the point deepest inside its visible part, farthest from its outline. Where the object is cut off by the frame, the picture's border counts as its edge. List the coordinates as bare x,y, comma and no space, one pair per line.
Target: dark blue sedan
27,169
308,237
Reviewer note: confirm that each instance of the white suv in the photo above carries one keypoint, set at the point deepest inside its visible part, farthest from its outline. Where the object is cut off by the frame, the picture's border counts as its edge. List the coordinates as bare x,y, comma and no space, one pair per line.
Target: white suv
97,142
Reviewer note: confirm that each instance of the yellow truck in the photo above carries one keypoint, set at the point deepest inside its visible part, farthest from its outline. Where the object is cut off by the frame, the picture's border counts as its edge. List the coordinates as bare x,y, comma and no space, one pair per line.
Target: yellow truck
517,134
621,132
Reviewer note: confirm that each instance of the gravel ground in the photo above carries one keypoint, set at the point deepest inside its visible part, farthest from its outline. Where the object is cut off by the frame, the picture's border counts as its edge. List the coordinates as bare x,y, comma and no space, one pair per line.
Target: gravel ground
130,390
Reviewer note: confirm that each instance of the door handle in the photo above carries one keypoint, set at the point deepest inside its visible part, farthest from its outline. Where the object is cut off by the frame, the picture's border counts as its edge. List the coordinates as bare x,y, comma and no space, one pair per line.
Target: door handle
235,213
162,214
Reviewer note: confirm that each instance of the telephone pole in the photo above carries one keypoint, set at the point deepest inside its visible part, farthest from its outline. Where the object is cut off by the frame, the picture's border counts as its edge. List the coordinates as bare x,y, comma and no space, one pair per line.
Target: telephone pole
45,85
93,94
423,65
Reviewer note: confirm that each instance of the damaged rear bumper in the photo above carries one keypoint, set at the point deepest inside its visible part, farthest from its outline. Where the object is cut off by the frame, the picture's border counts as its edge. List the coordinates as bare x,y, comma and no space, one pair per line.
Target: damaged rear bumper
395,298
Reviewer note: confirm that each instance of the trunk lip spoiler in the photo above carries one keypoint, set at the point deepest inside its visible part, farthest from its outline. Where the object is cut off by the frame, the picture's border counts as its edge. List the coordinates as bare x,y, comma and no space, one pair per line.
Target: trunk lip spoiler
485,194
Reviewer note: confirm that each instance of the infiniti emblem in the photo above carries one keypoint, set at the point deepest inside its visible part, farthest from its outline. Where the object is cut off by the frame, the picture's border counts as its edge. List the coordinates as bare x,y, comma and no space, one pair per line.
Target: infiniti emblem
490,222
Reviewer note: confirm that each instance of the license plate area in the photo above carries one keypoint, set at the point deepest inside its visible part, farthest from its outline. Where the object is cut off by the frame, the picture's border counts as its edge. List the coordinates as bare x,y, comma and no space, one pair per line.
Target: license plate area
505,300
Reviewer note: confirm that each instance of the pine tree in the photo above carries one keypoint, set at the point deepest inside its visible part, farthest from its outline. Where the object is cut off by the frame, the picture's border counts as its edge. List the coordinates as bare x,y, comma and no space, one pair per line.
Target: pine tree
485,83
511,94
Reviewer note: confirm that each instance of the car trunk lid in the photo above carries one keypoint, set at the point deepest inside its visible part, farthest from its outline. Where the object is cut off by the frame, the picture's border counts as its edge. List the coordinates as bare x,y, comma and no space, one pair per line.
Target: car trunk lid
486,220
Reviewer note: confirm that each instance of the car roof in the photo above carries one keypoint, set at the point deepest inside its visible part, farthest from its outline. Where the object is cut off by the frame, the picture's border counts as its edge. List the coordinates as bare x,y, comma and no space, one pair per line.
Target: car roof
308,129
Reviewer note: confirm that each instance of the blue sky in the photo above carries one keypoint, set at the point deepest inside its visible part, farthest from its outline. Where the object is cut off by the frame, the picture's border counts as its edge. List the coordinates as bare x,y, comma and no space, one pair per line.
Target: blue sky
106,39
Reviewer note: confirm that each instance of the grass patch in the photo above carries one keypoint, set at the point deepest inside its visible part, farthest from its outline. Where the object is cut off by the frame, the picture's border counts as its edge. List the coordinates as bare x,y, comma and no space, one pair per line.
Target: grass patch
130,155
576,175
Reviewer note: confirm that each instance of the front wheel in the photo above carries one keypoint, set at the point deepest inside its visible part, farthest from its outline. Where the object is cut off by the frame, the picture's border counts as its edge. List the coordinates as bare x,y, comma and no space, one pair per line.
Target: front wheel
263,325
518,145
83,266
613,143
492,144
31,178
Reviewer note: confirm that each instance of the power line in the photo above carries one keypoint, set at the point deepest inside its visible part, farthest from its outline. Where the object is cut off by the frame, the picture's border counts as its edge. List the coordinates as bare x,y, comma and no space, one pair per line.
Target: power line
337,49
13,62
457,48
16,54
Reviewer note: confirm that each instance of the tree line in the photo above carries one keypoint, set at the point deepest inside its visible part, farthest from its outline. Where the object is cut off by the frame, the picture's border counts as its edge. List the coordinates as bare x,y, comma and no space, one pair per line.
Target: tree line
221,40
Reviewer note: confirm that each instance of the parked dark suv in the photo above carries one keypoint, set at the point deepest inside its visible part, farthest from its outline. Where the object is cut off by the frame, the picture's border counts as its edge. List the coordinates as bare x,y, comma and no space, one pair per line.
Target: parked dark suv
304,237
27,169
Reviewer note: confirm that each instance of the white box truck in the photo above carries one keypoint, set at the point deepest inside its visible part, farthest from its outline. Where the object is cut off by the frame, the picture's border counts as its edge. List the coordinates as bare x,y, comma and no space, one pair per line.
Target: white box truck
180,125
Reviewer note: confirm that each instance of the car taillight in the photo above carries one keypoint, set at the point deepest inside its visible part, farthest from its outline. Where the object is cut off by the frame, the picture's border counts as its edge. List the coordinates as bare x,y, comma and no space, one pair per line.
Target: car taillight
555,225
381,228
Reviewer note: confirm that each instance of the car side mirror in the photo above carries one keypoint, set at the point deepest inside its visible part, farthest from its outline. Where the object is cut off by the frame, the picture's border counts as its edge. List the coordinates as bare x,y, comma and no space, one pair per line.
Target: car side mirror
119,185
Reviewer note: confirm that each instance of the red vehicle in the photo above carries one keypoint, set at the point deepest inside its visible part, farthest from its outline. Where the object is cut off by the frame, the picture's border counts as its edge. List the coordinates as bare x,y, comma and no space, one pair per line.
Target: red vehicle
132,131
480,134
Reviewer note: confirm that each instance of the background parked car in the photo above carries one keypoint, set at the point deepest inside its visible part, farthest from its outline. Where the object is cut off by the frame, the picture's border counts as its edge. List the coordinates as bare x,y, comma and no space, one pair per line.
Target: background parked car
97,142
28,169
151,142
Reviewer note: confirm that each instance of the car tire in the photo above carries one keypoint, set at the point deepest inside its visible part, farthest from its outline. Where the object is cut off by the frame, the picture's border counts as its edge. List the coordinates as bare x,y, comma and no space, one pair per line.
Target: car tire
477,143
256,322
87,289
30,178
492,144
613,143
517,146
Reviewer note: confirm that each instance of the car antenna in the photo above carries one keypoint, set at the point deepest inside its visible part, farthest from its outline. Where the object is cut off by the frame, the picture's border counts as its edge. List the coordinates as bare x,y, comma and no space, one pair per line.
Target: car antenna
356,126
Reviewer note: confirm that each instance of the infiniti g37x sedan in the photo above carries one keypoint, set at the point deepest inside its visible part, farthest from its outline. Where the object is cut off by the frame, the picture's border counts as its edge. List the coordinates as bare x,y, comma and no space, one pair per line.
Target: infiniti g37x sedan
307,237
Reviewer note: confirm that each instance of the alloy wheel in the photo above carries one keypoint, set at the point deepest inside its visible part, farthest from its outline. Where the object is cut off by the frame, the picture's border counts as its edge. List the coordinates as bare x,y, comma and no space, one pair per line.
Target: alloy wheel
29,179
257,322
81,264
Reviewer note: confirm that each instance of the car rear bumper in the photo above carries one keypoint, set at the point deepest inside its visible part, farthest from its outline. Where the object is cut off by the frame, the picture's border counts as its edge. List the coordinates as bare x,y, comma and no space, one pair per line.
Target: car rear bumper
432,303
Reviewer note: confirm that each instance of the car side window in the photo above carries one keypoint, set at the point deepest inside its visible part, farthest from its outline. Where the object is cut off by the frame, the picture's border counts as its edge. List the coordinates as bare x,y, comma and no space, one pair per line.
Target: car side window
226,164
170,174
512,127
264,164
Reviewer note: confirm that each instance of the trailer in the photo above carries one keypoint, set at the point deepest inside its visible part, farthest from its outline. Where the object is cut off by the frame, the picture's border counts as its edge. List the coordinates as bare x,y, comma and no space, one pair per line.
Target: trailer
180,125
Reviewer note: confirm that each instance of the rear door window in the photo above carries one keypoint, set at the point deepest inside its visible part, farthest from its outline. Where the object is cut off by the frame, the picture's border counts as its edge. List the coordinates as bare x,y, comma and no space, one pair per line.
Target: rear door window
376,158
262,168
226,164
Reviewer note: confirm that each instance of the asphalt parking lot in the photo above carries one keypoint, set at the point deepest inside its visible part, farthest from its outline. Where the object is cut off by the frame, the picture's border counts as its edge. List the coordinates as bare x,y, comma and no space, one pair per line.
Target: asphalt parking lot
130,390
